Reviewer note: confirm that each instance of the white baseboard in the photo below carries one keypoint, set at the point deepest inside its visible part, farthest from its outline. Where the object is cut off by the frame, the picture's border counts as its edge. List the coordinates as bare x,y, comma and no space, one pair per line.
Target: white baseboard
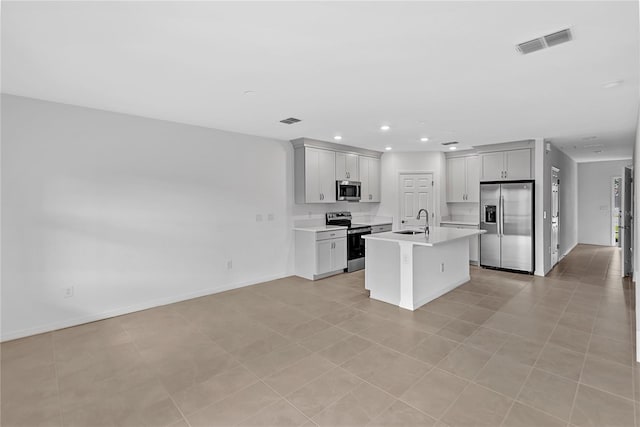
570,249
12,335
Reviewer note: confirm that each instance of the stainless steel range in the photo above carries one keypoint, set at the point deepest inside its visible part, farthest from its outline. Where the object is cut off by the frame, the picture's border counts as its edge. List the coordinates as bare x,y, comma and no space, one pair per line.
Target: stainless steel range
355,243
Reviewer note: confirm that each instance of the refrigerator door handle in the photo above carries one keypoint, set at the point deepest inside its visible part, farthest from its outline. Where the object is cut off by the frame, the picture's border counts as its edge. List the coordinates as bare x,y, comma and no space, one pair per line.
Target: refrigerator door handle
501,215
498,213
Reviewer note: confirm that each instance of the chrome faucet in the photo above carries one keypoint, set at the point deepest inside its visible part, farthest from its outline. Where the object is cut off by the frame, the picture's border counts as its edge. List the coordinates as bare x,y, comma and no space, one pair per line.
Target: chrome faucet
426,224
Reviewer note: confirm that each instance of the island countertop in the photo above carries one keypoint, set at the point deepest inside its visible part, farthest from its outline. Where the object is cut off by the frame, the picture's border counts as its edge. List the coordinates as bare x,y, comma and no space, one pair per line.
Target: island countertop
437,236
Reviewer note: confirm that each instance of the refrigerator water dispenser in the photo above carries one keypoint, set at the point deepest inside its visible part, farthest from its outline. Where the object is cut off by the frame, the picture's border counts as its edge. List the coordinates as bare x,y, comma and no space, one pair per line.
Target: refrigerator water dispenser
490,214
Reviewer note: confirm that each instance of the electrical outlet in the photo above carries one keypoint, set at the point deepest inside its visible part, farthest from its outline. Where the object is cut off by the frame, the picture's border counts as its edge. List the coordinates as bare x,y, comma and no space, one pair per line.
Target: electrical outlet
67,292
258,218
271,217
229,264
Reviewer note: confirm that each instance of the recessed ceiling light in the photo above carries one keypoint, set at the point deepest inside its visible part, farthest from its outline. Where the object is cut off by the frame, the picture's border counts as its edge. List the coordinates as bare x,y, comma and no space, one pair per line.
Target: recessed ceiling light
249,92
425,139
385,127
453,148
337,137
598,151
387,148
586,138
614,83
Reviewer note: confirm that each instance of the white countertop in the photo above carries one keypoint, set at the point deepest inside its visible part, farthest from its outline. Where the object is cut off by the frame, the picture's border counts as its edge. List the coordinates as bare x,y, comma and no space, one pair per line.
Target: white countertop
437,236
459,222
372,222
318,228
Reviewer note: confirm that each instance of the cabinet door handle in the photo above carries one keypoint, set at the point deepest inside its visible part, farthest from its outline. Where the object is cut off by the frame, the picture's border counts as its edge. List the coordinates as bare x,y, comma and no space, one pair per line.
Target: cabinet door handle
370,197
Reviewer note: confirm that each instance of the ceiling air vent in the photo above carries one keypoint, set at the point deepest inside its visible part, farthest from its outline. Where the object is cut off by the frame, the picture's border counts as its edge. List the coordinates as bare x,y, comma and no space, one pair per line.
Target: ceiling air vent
449,143
562,36
531,46
544,42
290,121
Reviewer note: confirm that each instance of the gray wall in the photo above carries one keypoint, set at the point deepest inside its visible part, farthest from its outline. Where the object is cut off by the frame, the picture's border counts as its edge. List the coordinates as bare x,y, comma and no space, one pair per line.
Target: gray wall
132,213
594,200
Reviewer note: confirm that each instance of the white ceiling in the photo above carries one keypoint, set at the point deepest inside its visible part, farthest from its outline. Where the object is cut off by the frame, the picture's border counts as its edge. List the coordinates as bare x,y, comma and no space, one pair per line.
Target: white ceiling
446,70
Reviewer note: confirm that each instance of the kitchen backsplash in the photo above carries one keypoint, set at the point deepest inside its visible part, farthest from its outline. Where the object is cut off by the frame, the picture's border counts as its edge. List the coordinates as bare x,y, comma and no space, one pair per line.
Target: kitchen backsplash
467,212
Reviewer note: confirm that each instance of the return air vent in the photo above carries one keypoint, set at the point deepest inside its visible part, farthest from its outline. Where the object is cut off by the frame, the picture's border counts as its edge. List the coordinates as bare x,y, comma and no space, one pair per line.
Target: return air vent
531,46
290,121
449,143
562,36
543,42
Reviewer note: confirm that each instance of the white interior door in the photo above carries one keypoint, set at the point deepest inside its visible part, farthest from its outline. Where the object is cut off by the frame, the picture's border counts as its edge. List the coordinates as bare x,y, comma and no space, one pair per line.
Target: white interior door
555,215
416,192
626,232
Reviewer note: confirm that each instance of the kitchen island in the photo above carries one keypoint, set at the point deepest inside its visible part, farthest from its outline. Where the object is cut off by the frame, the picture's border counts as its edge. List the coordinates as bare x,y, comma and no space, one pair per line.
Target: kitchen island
409,270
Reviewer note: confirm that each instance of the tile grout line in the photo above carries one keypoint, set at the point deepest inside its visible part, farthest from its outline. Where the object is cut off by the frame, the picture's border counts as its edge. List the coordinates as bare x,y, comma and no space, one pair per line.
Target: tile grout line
155,375
55,370
573,292
430,333
533,366
584,362
601,295
469,382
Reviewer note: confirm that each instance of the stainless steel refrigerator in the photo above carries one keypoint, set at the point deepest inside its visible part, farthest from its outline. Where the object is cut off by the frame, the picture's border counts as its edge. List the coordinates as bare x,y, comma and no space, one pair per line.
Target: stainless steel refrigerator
506,213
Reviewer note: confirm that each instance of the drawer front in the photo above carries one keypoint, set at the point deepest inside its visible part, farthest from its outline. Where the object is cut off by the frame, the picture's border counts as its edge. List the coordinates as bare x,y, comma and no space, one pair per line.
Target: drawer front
380,228
331,234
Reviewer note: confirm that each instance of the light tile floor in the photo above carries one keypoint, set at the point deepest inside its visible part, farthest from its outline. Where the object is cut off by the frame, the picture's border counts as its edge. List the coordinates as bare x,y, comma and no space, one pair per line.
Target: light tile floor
504,349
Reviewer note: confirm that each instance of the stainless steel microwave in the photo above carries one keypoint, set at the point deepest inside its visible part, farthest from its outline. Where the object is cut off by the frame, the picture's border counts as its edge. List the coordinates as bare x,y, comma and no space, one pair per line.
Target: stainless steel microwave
348,190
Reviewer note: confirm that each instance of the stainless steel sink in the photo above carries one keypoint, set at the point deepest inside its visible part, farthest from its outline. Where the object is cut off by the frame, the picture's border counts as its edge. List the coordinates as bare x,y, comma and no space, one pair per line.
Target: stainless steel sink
412,232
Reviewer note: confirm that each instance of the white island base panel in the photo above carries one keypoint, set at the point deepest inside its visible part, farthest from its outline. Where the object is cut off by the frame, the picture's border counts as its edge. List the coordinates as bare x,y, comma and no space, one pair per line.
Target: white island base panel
409,275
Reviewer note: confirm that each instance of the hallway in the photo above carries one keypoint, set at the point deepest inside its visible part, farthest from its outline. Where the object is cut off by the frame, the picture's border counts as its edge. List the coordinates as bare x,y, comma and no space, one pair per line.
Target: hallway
503,349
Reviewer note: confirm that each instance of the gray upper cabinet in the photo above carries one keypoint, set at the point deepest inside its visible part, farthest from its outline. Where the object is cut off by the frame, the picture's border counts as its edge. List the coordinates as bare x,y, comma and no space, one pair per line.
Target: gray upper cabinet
370,179
347,167
506,165
316,169
319,164
463,179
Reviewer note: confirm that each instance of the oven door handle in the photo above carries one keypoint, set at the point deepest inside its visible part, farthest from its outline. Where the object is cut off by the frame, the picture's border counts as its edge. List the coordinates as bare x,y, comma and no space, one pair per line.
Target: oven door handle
366,230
